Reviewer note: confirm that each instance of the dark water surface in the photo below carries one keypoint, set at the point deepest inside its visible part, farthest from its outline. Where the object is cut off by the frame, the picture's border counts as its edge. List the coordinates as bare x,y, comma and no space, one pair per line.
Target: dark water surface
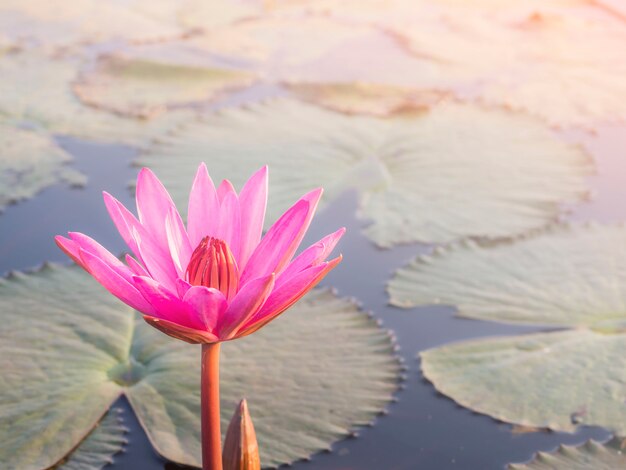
422,430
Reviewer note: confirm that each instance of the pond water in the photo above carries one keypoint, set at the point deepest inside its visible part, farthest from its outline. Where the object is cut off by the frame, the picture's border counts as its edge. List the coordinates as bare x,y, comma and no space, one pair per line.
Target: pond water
422,430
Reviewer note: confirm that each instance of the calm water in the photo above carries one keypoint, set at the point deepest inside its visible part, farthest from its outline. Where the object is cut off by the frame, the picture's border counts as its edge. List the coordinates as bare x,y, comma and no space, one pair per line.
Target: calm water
422,430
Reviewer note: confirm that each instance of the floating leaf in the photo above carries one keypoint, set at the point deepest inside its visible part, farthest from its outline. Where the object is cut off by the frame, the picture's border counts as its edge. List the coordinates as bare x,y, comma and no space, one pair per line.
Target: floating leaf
29,163
283,40
146,87
522,58
590,455
200,14
68,349
432,177
553,380
617,7
99,447
50,25
568,276
514,53
366,98
36,91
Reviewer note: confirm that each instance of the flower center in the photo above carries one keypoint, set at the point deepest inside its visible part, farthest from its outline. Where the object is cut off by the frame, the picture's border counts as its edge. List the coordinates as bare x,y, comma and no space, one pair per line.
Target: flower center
212,264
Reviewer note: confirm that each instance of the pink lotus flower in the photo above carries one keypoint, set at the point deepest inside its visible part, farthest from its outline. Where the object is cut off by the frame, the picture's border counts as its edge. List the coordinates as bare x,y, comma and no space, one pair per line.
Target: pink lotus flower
216,279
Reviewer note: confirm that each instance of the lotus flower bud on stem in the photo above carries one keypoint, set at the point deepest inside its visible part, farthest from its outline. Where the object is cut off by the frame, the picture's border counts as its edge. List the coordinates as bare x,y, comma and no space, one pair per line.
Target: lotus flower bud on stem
241,451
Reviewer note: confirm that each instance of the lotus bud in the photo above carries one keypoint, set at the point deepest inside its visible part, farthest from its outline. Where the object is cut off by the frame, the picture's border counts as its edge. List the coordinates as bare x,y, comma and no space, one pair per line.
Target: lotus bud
241,451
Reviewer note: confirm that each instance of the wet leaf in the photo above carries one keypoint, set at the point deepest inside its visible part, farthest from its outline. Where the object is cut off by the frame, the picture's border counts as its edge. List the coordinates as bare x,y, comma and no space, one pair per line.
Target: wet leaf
513,53
68,349
35,91
146,87
590,455
616,7
99,447
285,41
569,275
199,14
431,177
53,25
366,98
31,162
521,57
556,380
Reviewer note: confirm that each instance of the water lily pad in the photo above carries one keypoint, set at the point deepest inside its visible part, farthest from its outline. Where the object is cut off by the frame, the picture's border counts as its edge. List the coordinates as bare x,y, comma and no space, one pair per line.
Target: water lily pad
53,25
570,275
522,58
199,14
35,91
286,41
456,171
147,87
590,455
366,98
614,6
555,380
30,162
68,349
98,449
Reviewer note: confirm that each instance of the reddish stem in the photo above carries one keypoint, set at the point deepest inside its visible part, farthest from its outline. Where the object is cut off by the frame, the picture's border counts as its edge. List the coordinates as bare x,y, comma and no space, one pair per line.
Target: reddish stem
210,402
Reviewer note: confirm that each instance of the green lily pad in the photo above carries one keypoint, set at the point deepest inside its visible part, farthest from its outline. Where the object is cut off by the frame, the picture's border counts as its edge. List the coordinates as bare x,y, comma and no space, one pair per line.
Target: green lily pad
520,56
553,380
35,90
366,98
68,350
285,41
98,449
569,275
31,162
430,177
198,14
146,87
78,22
512,53
590,455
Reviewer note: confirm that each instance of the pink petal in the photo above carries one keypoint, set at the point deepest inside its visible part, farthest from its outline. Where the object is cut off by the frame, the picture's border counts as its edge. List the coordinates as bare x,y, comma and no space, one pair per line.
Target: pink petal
253,203
114,282
225,188
178,241
229,228
123,219
203,212
312,256
287,295
183,333
135,267
182,287
282,239
90,245
157,261
167,305
153,205
208,305
246,303
70,248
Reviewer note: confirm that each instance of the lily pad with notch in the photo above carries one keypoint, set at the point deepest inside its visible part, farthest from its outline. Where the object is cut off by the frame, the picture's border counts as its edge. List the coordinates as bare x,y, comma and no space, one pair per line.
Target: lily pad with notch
431,177
68,350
